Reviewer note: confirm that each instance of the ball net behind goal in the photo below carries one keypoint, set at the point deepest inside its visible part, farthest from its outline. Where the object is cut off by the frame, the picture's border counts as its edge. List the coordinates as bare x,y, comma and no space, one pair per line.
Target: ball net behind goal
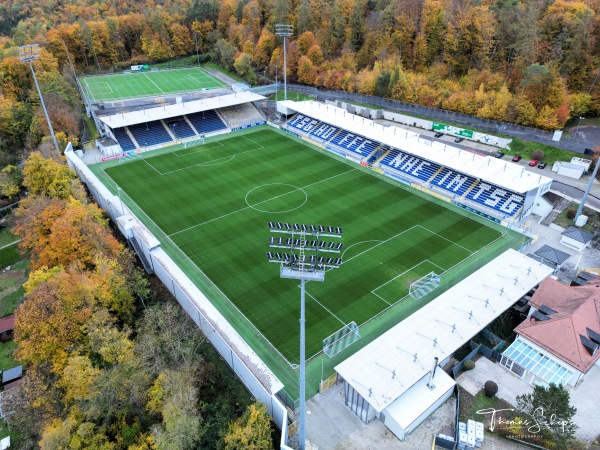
341,339
425,285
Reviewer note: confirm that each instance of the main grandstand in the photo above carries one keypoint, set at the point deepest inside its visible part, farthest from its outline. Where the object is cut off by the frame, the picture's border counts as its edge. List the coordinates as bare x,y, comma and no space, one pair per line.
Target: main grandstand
493,187
196,214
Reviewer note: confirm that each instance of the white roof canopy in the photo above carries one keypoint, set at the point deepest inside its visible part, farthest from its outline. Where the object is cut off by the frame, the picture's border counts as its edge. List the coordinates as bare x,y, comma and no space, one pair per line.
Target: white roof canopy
166,111
496,171
388,367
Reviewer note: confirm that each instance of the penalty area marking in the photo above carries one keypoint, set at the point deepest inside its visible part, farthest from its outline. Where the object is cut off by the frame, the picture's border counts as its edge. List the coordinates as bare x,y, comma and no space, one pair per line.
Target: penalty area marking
398,276
92,86
202,148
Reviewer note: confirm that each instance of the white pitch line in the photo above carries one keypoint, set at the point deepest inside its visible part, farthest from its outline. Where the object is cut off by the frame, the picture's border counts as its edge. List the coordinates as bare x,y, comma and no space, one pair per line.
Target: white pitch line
157,171
380,298
206,163
152,81
377,245
259,203
324,307
446,239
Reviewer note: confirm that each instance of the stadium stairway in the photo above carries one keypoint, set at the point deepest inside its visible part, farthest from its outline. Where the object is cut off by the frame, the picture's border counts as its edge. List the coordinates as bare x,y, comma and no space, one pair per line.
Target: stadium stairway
470,188
132,138
435,174
376,163
189,122
168,130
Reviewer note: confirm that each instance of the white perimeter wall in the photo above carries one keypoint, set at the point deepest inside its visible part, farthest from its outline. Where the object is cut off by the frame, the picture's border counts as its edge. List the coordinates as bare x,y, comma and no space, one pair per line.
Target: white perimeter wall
257,378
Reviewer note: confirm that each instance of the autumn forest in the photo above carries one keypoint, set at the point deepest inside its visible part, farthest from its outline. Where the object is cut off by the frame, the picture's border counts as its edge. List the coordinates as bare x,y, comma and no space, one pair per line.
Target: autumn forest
528,62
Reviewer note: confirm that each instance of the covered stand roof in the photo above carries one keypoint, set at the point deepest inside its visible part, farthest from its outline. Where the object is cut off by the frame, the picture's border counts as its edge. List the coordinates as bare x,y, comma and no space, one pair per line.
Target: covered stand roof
578,235
385,369
166,111
499,172
570,311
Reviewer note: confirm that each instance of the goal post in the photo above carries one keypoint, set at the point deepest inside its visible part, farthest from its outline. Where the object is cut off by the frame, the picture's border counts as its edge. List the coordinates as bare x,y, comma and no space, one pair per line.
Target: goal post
341,339
424,285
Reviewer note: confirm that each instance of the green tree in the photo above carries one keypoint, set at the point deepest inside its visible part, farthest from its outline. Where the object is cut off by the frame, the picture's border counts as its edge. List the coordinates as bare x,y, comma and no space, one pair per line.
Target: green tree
175,396
251,431
550,405
243,66
224,53
10,181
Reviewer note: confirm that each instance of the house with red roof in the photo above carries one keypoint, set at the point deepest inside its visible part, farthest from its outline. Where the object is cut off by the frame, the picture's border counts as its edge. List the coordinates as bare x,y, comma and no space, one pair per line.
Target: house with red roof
559,342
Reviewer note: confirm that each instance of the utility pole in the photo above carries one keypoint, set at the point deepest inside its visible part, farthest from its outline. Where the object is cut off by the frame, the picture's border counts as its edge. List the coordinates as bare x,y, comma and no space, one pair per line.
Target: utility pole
284,30
197,55
29,53
590,184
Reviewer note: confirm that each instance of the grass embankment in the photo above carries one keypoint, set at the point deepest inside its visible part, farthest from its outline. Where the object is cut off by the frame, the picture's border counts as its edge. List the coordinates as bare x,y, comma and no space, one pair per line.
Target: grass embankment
551,154
592,224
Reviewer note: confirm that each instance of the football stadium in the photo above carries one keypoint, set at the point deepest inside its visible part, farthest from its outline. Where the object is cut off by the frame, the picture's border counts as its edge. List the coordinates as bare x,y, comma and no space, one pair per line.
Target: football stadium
200,183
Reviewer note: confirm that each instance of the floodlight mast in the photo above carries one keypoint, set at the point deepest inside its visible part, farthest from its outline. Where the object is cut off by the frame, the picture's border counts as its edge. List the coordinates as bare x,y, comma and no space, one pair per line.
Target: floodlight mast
29,53
284,30
304,263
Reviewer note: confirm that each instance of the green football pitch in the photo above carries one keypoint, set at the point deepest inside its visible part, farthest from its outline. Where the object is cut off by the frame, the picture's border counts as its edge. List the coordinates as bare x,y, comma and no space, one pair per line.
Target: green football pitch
145,84
210,205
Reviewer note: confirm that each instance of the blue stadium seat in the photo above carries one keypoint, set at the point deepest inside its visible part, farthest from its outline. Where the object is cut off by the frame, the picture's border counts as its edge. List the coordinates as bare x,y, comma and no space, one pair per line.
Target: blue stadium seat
455,182
150,133
411,165
180,128
123,139
498,199
355,143
206,121
325,131
378,154
303,123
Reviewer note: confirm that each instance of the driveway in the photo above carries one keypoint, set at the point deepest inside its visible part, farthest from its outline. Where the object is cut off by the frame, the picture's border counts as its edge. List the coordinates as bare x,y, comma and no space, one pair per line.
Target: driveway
586,398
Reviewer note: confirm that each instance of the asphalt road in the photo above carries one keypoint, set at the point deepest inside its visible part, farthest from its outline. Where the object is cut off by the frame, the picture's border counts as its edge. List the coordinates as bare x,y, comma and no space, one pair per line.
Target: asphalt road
575,193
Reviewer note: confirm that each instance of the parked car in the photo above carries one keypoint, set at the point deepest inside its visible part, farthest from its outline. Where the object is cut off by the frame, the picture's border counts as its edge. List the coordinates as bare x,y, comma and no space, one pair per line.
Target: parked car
459,139
533,162
438,134
517,158
499,155
542,165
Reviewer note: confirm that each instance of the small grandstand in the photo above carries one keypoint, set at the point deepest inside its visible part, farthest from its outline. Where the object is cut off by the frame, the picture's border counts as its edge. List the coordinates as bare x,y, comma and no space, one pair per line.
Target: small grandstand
139,112
495,188
153,128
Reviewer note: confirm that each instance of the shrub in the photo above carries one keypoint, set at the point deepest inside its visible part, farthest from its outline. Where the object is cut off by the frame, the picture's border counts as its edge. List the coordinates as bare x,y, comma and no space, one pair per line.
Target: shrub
571,213
538,154
469,364
490,388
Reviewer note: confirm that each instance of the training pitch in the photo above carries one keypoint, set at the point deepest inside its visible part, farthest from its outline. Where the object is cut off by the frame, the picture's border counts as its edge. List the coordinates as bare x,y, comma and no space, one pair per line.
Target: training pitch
210,206
148,83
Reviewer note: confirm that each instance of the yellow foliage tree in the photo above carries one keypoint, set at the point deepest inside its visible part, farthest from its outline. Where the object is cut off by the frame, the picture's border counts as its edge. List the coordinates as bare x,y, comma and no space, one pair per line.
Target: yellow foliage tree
251,431
47,177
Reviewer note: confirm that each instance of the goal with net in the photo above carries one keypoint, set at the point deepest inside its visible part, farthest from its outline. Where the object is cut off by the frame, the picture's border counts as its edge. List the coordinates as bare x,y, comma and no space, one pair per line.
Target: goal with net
424,285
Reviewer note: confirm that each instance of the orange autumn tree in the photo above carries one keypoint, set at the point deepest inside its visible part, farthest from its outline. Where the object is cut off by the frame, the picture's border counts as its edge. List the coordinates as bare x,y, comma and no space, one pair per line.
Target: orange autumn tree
49,324
60,232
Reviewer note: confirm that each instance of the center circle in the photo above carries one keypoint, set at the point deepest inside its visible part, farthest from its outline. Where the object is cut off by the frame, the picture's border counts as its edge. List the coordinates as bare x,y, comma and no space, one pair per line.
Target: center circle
276,197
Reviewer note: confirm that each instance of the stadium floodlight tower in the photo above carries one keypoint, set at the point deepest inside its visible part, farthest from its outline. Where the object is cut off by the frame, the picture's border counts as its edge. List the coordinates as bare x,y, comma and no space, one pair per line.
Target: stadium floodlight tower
284,30
303,261
29,53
